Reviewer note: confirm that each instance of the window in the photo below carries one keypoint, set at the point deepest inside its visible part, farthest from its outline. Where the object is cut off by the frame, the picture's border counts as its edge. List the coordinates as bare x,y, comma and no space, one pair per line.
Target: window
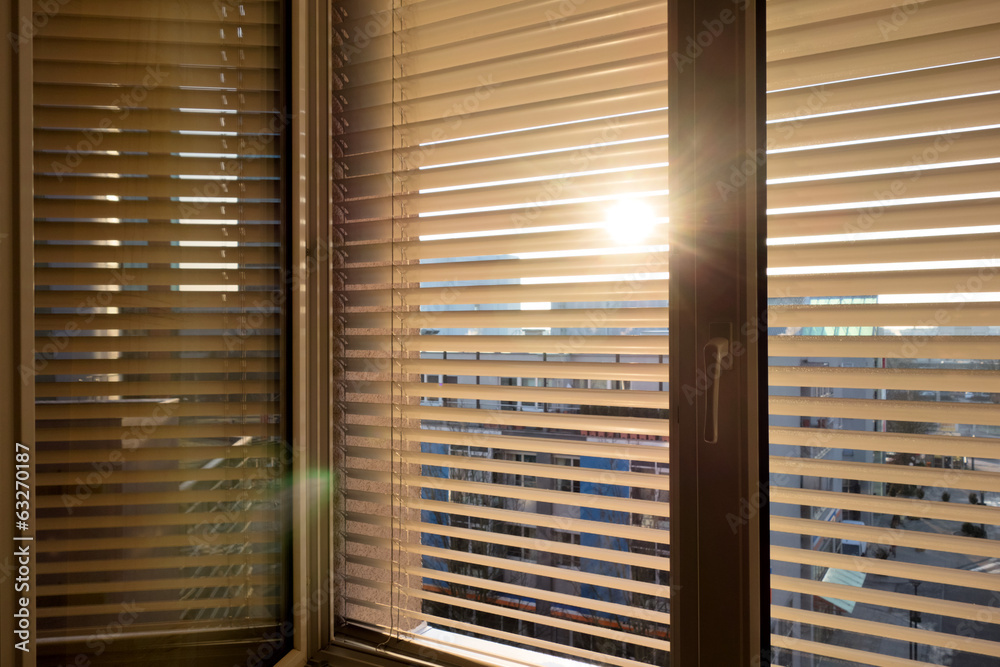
483,147
571,485
442,284
883,203
159,439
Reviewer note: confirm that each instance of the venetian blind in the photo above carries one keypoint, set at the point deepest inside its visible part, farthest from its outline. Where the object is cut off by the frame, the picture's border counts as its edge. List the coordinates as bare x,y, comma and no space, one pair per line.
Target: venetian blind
159,295
883,277
504,453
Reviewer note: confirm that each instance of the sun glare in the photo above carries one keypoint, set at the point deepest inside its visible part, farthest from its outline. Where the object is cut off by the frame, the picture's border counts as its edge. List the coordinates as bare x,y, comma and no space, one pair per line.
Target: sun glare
630,222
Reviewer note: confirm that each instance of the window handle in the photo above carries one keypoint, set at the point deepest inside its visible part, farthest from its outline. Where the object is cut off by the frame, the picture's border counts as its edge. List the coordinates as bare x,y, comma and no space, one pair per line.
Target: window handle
715,351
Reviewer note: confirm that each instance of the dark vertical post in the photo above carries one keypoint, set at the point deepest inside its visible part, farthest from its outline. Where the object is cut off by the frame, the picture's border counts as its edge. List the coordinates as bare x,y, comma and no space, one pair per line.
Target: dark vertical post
718,333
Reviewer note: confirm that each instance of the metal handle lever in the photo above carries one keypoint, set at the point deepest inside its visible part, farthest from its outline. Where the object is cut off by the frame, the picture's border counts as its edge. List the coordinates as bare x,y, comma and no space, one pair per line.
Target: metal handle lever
715,351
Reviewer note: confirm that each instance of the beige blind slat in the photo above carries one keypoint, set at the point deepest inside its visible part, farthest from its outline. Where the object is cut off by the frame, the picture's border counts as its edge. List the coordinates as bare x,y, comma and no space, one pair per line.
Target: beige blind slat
59,49
598,371
192,276
156,343
152,231
928,411
887,598
157,498
904,281
590,344
637,425
568,318
842,653
624,264
155,210
105,565
963,78
884,378
959,479
931,347
129,73
604,448
882,315
596,630
902,633
971,246
516,468
171,605
981,580
135,366
890,442
638,560
189,520
254,11
515,516
609,503
151,585
620,583
640,290
917,540
932,50
893,218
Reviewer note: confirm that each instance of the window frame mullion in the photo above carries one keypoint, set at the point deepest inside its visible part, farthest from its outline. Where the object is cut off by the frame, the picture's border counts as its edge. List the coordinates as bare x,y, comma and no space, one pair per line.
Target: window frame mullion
717,248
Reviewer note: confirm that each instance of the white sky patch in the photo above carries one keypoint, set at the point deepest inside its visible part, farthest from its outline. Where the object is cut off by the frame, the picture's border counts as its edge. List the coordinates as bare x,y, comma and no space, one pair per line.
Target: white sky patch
207,288
226,156
217,200
212,177
208,133
230,111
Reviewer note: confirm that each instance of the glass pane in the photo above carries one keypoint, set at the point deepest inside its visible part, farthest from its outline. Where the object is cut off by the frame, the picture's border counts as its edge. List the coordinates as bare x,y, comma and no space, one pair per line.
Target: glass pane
883,321
161,451
527,243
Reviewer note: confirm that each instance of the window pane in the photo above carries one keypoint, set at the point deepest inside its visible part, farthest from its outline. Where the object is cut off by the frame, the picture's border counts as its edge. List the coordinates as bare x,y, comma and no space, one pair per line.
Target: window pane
159,289
517,230
883,324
